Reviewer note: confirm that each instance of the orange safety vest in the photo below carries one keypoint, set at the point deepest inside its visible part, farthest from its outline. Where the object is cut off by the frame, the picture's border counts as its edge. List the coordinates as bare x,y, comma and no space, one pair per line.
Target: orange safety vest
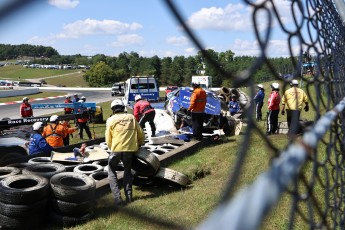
197,101
54,134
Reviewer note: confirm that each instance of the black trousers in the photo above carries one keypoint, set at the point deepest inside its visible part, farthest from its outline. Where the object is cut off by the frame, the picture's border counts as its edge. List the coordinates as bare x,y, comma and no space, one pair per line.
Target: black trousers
82,126
148,117
272,121
258,111
292,117
197,124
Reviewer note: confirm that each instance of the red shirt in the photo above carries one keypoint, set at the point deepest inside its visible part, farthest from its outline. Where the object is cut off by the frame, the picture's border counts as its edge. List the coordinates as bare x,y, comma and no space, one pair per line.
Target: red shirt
142,107
26,110
274,101
82,117
68,110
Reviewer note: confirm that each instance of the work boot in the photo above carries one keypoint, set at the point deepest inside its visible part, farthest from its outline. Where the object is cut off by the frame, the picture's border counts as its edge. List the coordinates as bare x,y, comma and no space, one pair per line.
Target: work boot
129,199
119,203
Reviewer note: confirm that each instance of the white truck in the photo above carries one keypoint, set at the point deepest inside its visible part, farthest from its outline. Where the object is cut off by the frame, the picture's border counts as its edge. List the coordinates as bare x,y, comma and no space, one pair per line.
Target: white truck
205,81
145,86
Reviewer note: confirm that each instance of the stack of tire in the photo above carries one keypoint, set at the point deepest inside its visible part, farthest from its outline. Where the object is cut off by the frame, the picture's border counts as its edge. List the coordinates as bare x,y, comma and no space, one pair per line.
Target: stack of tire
72,200
23,201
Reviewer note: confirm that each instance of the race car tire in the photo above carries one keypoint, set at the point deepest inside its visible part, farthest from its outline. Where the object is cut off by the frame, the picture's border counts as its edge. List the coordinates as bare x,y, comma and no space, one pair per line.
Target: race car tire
23,189
39,160
224,91
46,170
145,163
8,171
73,187
69,221
71,208
22,210
172,177
87,169
97,176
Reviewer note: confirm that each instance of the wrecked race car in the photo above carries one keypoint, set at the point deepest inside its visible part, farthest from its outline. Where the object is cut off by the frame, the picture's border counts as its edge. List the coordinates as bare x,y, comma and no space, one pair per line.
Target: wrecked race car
215,117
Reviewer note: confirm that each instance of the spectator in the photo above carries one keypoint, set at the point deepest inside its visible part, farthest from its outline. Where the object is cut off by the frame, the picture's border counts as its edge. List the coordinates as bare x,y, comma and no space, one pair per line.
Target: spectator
55,132
259,101
25,108
196,108
67,101
124,136
76,98
273,109
83,122
294,98
38,143
144,112
234,106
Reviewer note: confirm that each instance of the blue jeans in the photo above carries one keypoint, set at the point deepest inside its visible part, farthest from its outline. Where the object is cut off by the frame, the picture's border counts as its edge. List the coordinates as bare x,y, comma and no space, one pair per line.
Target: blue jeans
113,161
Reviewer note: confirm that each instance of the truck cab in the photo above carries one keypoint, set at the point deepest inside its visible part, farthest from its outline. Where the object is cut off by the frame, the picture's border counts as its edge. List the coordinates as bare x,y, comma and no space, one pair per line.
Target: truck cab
145,86
205,81
117,89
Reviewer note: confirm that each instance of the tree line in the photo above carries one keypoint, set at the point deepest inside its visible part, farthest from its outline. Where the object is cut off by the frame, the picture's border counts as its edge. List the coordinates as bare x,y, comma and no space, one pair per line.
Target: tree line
178,70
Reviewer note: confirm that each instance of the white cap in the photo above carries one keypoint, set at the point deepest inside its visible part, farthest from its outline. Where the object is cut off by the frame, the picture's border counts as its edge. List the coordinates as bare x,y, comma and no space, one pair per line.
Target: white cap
25,98
54,118
81,100
275,85
137,97
116,102
260,86
83,97
37,125
294,82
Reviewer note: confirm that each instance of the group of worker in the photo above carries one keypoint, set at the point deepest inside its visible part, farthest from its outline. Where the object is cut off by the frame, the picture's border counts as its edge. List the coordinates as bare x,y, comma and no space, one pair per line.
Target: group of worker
292,102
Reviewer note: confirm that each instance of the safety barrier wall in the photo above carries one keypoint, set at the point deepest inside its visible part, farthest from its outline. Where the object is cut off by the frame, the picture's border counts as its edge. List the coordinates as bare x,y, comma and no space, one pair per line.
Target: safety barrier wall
18,92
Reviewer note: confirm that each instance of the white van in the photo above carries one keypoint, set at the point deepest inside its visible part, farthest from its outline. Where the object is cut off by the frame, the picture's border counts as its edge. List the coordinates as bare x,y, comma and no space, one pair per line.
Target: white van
145,86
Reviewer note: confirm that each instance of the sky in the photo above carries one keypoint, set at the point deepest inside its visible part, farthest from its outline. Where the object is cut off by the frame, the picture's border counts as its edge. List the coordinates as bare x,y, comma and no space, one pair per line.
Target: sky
111,27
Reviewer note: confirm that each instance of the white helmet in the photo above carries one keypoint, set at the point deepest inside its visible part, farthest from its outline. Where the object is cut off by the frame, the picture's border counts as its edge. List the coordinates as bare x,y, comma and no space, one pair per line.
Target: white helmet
116,102
37,125
260,86
25,99
294,82
54,118
275,85
137,97
196,82
81,100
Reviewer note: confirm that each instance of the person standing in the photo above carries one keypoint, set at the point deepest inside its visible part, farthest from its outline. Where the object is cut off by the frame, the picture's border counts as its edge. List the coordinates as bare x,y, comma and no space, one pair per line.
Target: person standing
67,101
196,107
55,132
273,109
234,106
293,99
38,143
83,122
75,98
123,136
25,108
144,112
259,101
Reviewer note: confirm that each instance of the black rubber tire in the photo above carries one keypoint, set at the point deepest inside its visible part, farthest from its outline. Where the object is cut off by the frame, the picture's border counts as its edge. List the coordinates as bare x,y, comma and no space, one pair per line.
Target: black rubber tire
40,160
19,166
22,210
8,171
102,163
97,176
23,189
73,187
70,208
229,127
144,181
224,91
87,169
172,177
46,170
69,221
23,223
12,154
145,163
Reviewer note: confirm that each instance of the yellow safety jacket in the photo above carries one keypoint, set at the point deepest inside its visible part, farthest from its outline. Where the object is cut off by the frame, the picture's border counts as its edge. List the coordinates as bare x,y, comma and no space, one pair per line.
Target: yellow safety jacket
293,98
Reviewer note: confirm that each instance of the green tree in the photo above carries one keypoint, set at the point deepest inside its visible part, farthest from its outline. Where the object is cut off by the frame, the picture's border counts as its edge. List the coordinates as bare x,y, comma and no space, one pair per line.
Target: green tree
100,75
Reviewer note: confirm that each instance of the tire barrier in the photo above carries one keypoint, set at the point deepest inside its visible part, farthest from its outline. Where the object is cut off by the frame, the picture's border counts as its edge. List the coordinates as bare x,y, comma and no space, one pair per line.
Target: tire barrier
143,181
172,177
23,201
8,171
88,169
72,200
145,163
19,166
102,163
36,160
97,176
46,170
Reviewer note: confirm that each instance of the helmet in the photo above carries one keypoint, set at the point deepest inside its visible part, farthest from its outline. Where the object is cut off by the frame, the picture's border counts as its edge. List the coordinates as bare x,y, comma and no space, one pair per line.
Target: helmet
68,96
260,86
25,99
83,97
275,85
54,118
137,97
195,83
117,103
37,125
294,82
81,100
75,94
